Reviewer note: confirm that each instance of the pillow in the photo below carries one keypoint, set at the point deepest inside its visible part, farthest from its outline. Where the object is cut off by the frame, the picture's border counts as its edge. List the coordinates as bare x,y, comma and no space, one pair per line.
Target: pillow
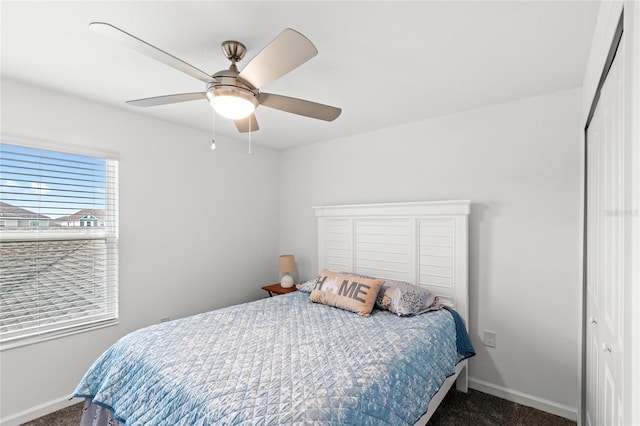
306,287
346,291
405,299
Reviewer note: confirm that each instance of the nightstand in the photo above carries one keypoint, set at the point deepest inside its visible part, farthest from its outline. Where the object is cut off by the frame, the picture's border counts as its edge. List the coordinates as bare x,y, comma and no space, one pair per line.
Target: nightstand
277,289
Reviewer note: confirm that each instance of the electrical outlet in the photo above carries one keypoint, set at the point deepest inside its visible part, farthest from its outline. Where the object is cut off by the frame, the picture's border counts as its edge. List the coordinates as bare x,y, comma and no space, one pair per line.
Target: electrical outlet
165,319
490,338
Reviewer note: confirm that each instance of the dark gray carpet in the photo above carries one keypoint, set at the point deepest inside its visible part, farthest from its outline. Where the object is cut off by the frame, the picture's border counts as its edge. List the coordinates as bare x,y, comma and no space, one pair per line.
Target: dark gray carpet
480,409
457,409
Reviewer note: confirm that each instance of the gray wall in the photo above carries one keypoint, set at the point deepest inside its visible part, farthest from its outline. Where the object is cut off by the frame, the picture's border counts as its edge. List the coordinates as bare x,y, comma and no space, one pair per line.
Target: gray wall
519,164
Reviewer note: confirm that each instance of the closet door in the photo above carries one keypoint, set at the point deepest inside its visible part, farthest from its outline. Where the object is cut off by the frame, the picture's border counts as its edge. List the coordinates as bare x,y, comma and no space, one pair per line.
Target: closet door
606,257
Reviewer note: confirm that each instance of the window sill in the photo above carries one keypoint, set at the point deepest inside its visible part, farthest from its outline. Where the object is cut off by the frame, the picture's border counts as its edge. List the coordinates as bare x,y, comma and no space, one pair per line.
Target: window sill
26,341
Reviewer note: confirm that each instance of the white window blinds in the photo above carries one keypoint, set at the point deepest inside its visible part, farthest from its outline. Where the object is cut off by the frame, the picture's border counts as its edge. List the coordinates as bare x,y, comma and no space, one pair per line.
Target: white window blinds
58,243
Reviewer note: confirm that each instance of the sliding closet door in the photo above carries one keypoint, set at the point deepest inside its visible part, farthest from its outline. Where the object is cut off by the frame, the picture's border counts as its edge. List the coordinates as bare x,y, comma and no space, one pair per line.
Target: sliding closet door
606,255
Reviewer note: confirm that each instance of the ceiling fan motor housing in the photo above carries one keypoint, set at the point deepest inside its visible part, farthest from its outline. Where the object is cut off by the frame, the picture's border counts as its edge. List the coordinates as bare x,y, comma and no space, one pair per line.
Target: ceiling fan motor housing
227,83
230,96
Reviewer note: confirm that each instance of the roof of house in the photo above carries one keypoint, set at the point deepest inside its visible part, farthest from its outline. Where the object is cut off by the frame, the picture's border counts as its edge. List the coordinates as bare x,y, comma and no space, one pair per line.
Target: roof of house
74,297
98,213
8,211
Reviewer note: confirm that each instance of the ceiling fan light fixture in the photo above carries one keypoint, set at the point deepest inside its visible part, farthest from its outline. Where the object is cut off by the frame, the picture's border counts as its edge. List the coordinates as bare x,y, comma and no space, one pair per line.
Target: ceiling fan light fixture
232,102
233,94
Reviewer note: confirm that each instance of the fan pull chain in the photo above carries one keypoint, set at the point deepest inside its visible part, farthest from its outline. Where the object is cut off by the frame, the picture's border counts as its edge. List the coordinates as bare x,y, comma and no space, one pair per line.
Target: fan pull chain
213,130
250,151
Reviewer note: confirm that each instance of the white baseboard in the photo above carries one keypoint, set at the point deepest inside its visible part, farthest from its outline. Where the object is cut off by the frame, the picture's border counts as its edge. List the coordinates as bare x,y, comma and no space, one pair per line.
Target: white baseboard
38,411
561,410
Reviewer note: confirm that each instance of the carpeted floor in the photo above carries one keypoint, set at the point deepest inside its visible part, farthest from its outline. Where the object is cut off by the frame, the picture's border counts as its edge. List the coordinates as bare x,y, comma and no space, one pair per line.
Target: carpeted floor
458,409
480,409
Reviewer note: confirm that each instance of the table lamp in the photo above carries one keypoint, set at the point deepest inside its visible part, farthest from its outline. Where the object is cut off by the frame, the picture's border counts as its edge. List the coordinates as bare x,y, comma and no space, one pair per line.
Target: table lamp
286,264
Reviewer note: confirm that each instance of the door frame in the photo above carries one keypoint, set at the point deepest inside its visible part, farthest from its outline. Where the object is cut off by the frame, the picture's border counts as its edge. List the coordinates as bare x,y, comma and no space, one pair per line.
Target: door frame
613,50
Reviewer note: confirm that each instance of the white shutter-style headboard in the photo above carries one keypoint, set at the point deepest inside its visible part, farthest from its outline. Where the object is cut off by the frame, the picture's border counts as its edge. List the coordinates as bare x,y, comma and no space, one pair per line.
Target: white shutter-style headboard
423,243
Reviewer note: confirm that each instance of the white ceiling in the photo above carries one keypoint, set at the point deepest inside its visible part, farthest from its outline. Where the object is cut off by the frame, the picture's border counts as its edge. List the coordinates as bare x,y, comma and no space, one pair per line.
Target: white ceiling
383,63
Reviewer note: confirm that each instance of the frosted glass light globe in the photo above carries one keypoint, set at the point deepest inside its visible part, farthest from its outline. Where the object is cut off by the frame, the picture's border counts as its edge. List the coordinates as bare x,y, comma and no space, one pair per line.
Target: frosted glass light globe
232,107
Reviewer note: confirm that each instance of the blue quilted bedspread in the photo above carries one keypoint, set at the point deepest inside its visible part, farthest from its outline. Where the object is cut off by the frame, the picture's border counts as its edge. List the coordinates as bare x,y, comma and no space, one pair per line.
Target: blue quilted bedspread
279,360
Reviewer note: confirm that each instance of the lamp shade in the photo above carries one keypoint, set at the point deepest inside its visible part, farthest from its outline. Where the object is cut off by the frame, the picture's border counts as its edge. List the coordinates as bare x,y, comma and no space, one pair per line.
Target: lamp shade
286,263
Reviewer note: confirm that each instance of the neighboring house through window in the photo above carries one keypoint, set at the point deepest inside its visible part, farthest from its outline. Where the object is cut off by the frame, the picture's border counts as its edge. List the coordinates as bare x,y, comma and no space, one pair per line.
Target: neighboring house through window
56,276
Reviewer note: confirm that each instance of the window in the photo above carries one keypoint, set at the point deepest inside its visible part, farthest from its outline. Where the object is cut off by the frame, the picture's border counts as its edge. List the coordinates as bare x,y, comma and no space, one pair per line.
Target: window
56,276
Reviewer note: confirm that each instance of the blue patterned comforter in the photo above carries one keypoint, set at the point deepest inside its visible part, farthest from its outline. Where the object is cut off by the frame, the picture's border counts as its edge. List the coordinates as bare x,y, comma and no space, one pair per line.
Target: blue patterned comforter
279,360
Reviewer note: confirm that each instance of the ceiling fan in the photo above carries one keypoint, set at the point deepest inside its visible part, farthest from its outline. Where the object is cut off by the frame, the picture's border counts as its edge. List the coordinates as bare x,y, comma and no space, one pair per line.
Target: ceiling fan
236,94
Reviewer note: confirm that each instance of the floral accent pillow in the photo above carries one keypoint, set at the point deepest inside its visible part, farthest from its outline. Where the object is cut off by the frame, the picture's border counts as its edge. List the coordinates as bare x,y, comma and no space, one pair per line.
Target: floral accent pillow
405,299
307,286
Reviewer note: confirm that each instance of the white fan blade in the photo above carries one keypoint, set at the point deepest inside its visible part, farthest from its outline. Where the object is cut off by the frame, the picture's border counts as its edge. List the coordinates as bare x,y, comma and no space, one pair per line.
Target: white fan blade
145,48
285,53
247,124
299,106
167,99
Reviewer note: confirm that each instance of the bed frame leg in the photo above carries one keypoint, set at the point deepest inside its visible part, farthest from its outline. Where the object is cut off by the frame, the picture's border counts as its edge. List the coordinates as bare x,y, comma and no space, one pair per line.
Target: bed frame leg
462,382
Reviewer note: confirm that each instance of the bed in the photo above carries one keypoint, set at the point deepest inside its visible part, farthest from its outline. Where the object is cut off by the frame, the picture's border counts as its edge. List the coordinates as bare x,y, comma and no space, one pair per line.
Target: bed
290,360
